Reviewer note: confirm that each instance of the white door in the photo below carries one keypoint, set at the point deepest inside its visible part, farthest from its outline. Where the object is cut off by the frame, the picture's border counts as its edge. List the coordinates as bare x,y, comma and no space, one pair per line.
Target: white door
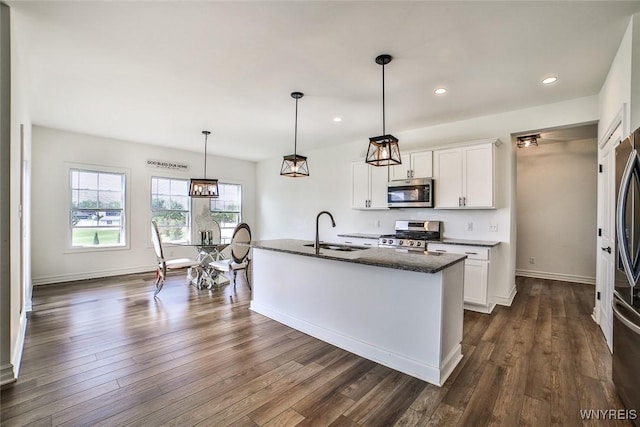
477,166
401,171
476,274
448,178
422,164
378,187
605,263
359,185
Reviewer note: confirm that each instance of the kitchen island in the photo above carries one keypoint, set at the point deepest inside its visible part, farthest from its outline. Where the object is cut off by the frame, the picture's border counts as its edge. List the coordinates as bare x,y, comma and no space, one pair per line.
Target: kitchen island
402,310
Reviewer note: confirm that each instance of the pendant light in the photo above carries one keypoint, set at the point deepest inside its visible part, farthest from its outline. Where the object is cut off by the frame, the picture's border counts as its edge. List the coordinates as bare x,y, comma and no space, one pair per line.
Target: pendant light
295,165
203,187
383,150
528,141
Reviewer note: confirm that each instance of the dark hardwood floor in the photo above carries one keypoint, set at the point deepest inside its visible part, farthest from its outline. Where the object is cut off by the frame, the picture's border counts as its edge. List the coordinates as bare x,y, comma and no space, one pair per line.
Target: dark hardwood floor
106,353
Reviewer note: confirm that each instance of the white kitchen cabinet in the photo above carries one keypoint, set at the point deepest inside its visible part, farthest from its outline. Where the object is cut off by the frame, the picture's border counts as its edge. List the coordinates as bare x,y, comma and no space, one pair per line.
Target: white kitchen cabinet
417,164
464,176
368,186
476,274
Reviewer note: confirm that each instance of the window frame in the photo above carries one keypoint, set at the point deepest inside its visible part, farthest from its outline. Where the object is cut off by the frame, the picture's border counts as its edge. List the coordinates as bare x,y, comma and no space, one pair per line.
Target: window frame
124,222
189,209
239,212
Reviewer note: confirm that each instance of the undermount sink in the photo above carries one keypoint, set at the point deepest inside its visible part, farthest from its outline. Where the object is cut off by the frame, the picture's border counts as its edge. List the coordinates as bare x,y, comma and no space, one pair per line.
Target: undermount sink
339,247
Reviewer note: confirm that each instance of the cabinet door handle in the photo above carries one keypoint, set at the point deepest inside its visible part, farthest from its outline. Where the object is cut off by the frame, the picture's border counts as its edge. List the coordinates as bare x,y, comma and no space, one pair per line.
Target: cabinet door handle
440,250
464,201
459,201
471,253
607,249
408,173
368,244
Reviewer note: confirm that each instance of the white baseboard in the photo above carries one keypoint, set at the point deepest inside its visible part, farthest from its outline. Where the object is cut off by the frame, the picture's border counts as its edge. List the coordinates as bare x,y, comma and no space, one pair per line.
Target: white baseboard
6,374
59,278
557,276
486,309
16,360
508,300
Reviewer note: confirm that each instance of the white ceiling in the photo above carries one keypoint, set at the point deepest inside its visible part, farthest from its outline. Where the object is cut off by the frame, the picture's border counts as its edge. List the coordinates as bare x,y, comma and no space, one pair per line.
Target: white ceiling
161,72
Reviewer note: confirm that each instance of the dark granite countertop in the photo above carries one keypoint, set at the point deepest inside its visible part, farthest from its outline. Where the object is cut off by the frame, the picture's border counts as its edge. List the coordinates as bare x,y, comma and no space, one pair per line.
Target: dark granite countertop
360,235
484,243
425,262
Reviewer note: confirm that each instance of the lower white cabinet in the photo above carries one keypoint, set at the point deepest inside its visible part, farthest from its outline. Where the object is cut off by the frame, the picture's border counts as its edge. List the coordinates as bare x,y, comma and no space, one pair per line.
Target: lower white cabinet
476,274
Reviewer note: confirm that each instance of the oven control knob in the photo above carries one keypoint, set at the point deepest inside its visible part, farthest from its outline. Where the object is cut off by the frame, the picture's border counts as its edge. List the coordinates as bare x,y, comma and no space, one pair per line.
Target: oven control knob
384,241
401,242
411,243
391,241
419,244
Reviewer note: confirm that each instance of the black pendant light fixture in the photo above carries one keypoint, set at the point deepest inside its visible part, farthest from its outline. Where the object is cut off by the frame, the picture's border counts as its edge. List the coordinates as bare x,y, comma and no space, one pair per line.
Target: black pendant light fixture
203,187
295,165
383,150
528,141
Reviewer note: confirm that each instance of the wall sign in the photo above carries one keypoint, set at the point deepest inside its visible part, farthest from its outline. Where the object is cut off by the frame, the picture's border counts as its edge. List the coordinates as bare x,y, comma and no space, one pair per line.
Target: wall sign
163,164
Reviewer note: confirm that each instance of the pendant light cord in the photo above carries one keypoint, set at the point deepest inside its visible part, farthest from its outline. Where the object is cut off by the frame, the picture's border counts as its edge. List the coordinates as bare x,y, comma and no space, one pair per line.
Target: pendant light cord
383,115
295,134
206,135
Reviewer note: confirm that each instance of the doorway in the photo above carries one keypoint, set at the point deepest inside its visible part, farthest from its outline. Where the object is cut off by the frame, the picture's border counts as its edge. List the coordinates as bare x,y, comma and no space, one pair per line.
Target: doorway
556,204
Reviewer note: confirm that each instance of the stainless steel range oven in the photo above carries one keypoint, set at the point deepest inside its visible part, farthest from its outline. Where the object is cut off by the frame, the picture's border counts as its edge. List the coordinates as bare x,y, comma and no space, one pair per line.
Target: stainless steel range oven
412,235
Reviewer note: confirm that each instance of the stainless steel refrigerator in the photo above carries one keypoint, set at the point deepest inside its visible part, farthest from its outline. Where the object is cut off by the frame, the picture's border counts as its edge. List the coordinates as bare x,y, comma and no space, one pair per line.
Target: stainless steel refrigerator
626,296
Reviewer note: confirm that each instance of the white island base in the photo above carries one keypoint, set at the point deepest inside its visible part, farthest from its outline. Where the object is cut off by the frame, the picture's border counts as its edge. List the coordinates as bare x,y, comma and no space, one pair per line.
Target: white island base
407,320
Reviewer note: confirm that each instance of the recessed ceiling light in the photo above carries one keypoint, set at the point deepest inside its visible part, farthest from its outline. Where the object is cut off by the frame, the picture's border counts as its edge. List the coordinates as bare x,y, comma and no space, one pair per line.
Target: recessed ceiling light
337,119
549,80
440,91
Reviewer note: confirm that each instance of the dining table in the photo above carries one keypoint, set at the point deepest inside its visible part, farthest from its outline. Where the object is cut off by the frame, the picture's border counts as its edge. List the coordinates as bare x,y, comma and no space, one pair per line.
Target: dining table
207,277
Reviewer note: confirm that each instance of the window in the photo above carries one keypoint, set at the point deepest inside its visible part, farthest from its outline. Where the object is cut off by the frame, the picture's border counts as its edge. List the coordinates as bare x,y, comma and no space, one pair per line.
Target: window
227,209
97,208
170,208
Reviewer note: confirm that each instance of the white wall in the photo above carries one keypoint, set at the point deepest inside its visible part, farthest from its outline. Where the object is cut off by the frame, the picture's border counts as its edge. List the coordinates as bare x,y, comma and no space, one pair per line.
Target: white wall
287,207
556,203
53,149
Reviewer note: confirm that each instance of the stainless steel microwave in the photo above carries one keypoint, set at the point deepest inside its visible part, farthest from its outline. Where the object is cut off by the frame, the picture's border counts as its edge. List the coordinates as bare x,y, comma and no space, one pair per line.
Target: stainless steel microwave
410,193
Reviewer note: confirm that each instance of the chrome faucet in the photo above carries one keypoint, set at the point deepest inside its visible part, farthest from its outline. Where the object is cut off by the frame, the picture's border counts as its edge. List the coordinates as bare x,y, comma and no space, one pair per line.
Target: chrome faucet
333,223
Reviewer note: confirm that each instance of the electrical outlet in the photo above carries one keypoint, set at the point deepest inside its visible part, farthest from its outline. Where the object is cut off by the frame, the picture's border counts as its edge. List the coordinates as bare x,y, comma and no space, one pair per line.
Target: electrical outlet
493,227
532,260
469,226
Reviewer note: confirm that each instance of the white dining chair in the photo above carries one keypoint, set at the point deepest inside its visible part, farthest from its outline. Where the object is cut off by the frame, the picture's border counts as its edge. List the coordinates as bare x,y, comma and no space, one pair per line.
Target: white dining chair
204,222
171,264
235,257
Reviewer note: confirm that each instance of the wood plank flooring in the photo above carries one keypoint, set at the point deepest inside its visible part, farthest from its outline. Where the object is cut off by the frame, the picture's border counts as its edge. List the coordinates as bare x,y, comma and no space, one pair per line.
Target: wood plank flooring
106,353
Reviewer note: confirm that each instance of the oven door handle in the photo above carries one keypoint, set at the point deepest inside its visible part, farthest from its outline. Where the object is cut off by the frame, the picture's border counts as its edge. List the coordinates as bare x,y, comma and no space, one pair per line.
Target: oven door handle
628,323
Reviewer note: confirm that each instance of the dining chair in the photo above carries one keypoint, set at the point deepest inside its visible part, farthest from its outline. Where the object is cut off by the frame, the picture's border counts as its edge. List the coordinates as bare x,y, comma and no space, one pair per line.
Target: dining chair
235,257
171,264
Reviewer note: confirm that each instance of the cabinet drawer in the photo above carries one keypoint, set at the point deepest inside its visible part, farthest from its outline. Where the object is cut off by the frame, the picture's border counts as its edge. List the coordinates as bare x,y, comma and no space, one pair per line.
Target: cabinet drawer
472,252
358,241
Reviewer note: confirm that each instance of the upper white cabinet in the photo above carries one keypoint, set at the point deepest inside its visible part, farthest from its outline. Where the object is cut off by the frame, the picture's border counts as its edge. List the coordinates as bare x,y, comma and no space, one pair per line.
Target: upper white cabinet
368,186
418,164
464,176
